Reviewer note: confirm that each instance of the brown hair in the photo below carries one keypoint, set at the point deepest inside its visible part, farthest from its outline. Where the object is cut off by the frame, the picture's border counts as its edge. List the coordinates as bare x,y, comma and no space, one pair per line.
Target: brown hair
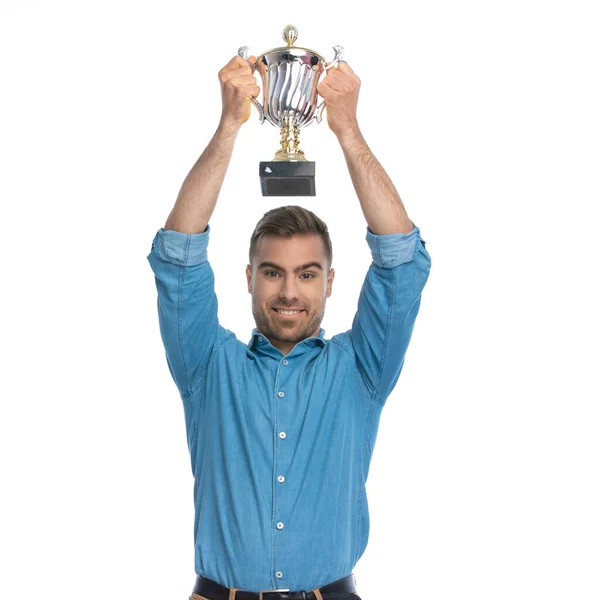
286,221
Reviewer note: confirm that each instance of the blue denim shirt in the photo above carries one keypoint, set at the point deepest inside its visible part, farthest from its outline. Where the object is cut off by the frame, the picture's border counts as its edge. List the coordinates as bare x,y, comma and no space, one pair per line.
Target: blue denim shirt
280,446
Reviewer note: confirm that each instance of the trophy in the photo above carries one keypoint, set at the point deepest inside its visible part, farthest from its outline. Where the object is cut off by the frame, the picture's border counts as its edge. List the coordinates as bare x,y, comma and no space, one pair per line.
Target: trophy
290,76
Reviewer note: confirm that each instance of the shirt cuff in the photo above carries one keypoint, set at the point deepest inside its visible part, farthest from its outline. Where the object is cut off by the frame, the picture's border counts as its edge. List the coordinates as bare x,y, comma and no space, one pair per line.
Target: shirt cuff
393,249
185,249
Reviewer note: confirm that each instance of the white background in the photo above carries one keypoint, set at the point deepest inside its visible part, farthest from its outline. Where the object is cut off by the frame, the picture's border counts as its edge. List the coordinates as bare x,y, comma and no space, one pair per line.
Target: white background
484,483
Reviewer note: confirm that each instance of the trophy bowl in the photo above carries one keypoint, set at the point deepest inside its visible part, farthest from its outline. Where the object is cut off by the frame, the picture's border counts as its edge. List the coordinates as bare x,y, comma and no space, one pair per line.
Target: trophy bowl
290,76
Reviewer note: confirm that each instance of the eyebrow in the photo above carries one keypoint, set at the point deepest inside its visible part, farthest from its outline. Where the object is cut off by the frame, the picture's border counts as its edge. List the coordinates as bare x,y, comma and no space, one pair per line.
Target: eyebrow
301,268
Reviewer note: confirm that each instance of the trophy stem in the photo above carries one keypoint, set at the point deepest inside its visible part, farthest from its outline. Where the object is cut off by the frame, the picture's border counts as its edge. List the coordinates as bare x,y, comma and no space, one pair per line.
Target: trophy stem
290,142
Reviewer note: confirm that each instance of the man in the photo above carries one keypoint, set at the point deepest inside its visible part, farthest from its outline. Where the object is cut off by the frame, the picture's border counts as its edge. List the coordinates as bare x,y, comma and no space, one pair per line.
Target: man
281,431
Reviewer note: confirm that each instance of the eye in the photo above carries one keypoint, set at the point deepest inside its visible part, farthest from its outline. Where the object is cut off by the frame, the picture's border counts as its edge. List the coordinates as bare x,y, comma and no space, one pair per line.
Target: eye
310,275
268,273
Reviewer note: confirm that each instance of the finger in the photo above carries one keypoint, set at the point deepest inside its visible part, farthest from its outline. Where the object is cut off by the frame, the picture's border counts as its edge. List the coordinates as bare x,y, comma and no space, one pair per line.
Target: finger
250,62
342,74
235,62
237,73
344,67
323,86
335,74
246,80
335,84
241,72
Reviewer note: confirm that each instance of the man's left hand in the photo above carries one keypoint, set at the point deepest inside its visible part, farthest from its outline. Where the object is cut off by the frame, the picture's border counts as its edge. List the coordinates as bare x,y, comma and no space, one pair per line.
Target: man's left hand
340,88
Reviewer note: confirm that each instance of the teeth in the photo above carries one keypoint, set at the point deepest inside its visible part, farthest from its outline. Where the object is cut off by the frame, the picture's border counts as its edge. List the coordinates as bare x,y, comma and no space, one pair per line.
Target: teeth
287,312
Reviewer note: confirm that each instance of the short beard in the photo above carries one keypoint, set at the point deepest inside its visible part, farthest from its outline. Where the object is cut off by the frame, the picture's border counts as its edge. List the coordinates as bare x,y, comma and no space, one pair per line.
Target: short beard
284,334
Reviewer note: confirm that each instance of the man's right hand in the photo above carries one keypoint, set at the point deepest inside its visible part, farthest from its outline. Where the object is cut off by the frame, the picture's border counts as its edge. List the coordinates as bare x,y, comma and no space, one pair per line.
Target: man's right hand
238,87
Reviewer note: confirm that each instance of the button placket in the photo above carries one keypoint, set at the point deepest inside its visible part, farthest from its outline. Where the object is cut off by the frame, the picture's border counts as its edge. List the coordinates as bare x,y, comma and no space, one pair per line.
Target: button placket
282,407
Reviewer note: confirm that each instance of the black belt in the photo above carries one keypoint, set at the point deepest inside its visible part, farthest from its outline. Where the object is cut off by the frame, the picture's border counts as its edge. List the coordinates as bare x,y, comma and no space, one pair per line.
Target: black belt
215,591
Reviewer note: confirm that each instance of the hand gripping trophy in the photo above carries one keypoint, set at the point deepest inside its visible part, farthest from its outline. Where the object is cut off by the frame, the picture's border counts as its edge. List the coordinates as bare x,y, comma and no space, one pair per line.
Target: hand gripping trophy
290,76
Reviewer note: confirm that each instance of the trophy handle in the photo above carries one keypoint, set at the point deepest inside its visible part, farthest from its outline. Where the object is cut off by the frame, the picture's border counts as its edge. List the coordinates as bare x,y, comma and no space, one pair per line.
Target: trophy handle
243,52
339,54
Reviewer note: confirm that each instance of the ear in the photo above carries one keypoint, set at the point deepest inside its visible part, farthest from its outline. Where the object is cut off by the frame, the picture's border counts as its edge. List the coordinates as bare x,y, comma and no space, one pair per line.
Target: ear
249,278
330,279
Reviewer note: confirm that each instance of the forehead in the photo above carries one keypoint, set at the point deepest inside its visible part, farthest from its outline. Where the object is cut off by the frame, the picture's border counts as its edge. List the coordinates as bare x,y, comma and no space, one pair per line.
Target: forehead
291,252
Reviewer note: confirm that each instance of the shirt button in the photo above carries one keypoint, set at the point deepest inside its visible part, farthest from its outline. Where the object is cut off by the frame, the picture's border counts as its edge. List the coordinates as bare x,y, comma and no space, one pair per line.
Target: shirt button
285,362
281,479
279,574
260,338
281,394
282,435
280,525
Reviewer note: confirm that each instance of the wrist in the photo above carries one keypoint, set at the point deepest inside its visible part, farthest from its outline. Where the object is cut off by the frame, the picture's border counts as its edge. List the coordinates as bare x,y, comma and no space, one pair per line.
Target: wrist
228,128
350,135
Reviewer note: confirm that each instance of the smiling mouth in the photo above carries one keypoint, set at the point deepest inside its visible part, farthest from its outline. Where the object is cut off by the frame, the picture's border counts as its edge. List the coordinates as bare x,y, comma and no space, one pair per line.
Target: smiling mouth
288,314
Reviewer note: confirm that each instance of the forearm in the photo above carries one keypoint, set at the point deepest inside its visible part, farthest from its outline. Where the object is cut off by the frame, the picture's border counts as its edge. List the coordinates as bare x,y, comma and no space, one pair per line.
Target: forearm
198,195
379,200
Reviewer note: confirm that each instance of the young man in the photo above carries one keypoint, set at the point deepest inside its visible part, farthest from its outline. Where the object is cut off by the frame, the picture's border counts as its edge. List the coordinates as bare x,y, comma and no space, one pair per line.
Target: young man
281,431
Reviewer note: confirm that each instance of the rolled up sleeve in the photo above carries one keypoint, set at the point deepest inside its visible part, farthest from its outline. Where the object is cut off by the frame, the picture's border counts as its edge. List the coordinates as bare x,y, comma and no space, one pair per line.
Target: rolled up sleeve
187,304
388,305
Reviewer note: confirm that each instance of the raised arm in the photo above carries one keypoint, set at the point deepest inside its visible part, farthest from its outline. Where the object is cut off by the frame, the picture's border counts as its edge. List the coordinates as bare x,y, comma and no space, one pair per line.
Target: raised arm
187,304
379,200
198,195
391,294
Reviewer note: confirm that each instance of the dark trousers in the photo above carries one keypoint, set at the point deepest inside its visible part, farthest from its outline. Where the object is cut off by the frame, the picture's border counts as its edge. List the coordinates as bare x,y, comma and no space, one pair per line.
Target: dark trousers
345,596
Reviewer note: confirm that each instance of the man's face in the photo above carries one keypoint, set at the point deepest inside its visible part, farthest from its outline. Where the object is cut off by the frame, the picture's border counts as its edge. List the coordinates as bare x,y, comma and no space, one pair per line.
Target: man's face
289,274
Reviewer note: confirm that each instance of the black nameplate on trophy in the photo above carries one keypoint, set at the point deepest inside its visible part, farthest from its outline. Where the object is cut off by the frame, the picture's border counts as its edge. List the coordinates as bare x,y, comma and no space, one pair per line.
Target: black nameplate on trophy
287,178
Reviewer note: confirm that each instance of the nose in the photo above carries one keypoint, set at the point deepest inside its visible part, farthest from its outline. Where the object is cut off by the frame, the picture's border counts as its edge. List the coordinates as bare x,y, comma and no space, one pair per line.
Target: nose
289,289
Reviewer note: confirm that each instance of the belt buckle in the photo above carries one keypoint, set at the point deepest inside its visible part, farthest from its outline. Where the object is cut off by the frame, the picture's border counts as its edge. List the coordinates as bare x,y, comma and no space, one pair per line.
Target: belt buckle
260,594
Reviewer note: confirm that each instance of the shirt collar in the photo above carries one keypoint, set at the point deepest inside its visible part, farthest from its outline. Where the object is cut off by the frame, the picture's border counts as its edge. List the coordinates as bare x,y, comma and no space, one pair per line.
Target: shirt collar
258,340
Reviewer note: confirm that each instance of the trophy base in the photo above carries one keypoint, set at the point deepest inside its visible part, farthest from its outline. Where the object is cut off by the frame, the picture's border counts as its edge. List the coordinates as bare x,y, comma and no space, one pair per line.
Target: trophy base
281,178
